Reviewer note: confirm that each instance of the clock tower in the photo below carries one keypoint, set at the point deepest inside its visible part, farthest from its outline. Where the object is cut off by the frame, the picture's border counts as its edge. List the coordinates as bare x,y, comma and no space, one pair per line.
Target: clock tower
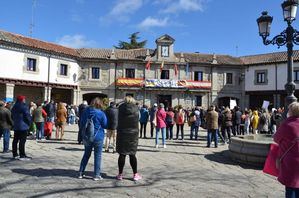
165,48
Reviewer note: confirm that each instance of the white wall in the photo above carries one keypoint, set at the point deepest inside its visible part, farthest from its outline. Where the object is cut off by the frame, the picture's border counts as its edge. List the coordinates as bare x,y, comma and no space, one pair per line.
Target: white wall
13,65
271,86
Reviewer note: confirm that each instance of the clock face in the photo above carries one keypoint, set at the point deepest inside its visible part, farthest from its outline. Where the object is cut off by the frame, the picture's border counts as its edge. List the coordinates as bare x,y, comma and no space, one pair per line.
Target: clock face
165,51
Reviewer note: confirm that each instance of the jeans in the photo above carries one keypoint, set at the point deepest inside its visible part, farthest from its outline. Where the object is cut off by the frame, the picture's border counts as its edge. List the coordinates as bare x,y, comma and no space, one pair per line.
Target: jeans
226,133
143,128
246,126
6,137
39,130
212,134
97,145
194,132
178,126
163,135
19,136
292,192
169,131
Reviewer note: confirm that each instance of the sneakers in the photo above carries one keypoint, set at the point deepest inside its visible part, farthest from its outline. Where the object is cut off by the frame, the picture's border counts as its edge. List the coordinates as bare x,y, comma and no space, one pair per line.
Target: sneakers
81,175
97,178
164,146
157,146
119,177
25,158
137,177
16,157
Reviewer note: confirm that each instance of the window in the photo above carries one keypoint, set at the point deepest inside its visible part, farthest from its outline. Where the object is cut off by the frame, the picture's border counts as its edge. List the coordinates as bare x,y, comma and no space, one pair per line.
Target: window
63,69
31,64
165,51
260,77
296,75
198,101
165,74
198,76
130,73
229,78
95,73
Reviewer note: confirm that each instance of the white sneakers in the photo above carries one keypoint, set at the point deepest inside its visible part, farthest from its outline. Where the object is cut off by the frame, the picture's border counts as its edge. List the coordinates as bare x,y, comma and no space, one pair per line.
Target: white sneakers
157,146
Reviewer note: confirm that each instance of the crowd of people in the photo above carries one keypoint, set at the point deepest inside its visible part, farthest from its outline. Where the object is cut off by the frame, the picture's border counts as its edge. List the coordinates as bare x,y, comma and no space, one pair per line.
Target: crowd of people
121,125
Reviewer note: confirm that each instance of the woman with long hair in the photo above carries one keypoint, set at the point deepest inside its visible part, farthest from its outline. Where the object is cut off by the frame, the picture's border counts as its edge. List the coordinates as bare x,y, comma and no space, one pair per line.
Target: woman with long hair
93,114
127,136
61,117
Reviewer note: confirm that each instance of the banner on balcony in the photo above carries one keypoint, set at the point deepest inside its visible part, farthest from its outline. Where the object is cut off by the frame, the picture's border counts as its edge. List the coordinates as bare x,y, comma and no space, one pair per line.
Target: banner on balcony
162,83
130,82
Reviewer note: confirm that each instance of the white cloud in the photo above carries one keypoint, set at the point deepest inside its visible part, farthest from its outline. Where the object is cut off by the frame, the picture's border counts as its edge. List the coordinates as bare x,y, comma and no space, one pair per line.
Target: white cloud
183,5
153,22
122,10
75,41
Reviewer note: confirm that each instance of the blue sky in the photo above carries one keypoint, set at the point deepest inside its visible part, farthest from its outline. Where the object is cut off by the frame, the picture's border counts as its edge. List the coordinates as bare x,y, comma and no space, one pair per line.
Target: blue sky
205,26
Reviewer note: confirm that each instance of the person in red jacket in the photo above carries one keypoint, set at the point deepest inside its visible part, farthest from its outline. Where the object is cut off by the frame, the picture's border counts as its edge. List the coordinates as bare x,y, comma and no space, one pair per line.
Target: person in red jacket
287,137
161,124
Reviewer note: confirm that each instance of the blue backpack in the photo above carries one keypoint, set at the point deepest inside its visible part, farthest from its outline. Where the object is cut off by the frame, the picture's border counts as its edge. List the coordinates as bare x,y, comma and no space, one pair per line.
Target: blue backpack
88,133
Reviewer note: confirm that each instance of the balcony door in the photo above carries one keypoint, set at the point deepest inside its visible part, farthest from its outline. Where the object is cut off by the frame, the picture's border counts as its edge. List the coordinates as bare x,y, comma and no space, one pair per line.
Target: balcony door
165,99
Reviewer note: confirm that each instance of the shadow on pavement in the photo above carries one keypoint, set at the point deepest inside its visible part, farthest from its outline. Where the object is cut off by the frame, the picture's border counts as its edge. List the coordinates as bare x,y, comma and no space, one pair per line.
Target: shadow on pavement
70,149
224,158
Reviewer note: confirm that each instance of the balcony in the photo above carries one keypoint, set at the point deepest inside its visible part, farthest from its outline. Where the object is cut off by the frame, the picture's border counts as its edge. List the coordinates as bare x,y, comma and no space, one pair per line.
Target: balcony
168,83
130,82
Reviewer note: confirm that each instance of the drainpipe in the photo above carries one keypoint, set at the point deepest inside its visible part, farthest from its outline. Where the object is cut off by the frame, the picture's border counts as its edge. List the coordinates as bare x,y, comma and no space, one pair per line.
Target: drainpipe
48,81
115,91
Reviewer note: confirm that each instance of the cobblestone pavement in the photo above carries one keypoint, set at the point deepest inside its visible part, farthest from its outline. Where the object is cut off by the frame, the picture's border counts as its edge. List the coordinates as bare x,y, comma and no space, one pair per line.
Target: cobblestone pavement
183,169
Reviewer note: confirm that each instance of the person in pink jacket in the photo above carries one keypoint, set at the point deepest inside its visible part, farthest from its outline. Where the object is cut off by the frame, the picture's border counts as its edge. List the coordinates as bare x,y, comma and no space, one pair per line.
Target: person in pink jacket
287,137
161,124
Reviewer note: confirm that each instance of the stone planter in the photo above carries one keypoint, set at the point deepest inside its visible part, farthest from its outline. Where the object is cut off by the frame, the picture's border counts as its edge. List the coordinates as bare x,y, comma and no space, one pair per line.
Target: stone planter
250,149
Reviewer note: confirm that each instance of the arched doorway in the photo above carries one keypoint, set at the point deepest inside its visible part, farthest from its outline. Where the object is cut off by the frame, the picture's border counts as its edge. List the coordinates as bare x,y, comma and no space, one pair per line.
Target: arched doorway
90,96
225,101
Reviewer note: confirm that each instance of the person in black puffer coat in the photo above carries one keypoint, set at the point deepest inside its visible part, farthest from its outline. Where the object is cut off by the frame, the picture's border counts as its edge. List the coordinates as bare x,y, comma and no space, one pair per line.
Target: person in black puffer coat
127,136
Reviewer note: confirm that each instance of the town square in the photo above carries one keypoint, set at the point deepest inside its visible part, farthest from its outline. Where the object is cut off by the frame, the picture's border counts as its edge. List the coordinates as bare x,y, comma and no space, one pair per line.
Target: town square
137,98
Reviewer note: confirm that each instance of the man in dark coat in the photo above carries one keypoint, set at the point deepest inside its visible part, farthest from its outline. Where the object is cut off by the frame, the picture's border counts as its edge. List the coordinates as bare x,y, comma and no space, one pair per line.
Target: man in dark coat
112,119
237,120
5,125
127,135
22,120
81,109
50,110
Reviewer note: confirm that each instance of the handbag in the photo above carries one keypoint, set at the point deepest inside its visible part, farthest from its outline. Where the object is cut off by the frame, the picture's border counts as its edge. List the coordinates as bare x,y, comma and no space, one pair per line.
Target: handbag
270,163
278,160
193,118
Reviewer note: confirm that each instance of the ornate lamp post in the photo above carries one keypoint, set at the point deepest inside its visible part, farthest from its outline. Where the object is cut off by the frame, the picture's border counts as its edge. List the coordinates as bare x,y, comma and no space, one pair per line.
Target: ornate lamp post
288,37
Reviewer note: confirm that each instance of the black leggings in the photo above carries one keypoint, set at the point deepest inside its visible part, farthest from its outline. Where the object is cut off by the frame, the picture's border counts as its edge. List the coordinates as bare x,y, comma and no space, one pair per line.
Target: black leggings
122,160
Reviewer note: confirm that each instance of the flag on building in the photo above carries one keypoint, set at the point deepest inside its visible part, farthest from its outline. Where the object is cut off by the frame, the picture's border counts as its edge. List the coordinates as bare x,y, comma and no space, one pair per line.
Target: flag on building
187,69
148,64
175,69
162,65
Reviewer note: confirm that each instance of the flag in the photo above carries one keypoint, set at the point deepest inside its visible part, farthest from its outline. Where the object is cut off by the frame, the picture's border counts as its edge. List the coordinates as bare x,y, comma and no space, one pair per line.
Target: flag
187,69
175,69
148,64
162,65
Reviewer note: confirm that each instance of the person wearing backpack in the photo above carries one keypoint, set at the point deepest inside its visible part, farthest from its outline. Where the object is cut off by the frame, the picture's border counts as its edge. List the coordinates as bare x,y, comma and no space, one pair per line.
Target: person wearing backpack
264,122
93,123
287,138
195,124
144,115
169,123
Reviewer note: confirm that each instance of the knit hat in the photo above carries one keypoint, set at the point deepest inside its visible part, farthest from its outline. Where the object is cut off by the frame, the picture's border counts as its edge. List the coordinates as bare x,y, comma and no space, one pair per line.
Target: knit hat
161,105
20,98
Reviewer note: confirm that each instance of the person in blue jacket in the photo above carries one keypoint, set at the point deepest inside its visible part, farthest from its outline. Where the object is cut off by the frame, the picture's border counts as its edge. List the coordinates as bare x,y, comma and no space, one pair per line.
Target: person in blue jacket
22,120
100,123
144,115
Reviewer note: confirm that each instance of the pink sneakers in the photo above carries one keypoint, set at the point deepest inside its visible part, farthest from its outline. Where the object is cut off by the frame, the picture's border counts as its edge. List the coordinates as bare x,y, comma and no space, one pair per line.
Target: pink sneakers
137,177
119,177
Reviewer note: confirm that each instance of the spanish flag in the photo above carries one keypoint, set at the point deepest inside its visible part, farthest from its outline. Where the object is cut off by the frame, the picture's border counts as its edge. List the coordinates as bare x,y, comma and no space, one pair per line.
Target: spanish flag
175,69
148,64
162,65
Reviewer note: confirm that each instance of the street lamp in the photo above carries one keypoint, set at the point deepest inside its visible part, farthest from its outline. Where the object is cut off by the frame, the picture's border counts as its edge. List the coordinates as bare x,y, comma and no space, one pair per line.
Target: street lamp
288,37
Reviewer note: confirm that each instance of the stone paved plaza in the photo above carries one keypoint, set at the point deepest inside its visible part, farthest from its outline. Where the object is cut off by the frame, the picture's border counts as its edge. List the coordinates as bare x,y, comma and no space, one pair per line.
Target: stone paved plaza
184,169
